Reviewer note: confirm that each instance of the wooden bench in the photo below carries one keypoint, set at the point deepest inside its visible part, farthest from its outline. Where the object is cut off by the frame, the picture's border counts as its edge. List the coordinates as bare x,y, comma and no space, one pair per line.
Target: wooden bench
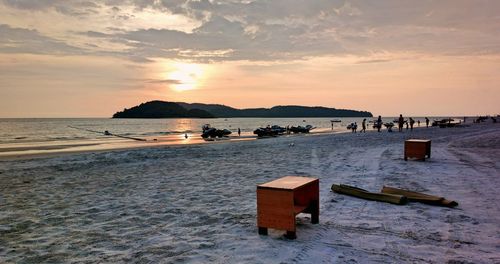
279,201
417,148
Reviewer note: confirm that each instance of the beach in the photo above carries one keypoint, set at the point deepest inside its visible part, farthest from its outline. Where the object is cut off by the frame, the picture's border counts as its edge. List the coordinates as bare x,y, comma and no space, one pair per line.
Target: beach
197,203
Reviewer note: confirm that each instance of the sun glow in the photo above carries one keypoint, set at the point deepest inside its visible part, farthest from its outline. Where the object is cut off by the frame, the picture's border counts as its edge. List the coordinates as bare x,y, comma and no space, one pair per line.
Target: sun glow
185,76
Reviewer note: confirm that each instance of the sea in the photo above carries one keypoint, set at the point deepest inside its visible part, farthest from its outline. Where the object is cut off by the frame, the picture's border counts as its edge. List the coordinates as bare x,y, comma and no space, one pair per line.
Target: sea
31,136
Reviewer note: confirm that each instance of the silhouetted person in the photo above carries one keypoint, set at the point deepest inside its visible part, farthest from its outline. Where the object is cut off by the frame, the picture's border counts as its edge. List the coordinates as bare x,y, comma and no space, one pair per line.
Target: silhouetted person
186,136
427,122
411,123
418,122
379,123
363,126
355,127
401,121
406,123
239,132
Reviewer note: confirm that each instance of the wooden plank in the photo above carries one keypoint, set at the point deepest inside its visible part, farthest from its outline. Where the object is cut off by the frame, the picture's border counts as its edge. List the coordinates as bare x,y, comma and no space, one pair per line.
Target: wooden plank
420,197
360,193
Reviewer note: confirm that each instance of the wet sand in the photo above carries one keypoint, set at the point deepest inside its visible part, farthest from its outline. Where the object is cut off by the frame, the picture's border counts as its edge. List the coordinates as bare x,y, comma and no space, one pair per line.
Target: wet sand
196,203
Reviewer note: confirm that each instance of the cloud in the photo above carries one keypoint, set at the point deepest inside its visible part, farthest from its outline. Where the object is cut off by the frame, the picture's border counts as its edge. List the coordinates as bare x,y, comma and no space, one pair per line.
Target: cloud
31,5
20,40
282,29
163,81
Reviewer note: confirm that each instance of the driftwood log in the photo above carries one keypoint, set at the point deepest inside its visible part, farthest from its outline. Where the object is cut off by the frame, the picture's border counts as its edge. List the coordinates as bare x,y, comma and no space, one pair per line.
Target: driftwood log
420,197
360,193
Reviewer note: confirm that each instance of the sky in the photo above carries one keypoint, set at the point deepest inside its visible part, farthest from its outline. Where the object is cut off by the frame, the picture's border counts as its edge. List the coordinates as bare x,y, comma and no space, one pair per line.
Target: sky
72,58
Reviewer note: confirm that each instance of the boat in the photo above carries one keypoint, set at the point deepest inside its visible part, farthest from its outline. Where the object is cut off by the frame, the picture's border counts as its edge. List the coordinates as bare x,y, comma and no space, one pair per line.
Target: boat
446,122
389,125
211,132
301,129
377,124
269,131
335,120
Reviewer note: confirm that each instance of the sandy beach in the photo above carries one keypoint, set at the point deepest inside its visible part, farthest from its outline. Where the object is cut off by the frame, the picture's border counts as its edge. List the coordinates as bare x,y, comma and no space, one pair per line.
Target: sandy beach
197,203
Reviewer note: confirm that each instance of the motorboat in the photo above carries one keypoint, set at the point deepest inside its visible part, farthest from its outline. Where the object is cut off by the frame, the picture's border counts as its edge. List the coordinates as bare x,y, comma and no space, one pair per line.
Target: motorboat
446,122
211,132
301,129
377,124
269,131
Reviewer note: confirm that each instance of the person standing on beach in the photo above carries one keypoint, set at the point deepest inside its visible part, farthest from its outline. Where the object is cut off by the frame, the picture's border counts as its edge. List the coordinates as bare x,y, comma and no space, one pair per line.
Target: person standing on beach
363,126
401,121
411,123
379,123
427,122
239,132
418,122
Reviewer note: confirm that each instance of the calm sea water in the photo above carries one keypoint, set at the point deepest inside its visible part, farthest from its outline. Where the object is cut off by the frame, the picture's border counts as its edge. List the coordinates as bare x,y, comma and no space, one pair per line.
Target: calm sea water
42,135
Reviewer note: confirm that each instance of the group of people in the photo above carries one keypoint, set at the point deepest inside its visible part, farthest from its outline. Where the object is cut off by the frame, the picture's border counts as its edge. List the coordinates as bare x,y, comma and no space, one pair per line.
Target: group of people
354,126
410,122
401,122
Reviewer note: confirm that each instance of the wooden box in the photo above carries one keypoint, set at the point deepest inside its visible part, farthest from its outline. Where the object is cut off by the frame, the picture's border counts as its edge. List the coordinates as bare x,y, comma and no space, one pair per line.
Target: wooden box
417,148
279,201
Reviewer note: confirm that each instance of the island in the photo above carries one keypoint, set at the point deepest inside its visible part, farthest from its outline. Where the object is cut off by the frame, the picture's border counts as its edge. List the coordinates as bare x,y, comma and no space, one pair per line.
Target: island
163,109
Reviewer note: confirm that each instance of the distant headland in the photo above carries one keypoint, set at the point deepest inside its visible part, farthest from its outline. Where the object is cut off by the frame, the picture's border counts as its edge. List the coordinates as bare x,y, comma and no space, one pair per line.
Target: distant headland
162,109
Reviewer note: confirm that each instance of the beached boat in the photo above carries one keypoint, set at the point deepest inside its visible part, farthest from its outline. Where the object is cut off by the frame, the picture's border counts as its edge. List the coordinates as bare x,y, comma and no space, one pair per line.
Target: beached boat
270,131
377,124
335,120
301,129
446,122
352,126
211,132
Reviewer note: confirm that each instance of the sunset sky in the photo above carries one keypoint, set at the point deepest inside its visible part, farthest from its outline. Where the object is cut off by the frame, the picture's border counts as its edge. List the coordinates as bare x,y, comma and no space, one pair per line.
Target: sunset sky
62,58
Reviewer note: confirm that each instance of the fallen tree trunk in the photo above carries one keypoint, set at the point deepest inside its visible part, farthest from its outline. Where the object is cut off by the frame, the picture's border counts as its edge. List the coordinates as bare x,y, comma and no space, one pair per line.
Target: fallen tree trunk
360,193
420,197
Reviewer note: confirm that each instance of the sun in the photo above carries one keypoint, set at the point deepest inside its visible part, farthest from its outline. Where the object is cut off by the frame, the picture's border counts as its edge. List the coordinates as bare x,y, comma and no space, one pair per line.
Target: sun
185,76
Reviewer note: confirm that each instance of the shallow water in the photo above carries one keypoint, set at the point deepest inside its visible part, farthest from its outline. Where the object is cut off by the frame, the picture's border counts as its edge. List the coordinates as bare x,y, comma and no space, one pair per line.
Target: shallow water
48,135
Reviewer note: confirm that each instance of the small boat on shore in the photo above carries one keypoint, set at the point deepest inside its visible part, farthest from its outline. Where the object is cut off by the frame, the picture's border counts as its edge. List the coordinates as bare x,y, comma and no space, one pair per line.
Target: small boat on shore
269,131
211,132
377,124
446,122
301,129
335,120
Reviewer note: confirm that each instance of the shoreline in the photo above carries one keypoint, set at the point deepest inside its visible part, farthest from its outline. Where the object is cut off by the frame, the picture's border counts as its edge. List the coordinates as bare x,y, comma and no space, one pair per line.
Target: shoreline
197,203
61,150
